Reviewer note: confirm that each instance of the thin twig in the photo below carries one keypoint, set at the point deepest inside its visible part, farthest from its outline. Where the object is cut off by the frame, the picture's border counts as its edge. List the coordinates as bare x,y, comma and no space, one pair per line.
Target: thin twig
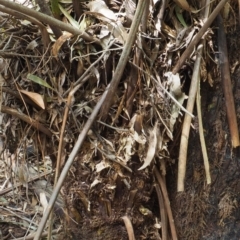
239,12
15,214
24,117
201,135
162,212
159,85
198,37
112,127
12,54
22,16
199,112
60,145
49,20
7,190
227,85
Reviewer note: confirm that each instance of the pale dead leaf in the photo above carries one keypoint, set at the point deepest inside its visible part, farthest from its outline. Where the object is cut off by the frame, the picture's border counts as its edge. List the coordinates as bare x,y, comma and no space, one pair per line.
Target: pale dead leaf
126,144
111,187
102,165
175,84
61,80
103,13
96,73
99,6
139,138
95,182
35,97
152,146
32,45
132,122
43,201
176,91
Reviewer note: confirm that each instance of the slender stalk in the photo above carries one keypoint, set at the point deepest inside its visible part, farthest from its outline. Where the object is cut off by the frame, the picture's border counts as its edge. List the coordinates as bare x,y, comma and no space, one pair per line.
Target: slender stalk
187,125
226,82
166,201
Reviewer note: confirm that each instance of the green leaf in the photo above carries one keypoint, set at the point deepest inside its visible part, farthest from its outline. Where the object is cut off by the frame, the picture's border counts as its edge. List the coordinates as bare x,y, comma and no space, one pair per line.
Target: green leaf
180,16
55,8
69,17
38,80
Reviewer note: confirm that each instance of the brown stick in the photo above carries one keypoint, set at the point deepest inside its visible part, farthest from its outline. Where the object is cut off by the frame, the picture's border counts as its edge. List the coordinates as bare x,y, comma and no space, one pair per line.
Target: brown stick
22,16
162,212
226,81
198,37
27,119
46,10
167,202
49,20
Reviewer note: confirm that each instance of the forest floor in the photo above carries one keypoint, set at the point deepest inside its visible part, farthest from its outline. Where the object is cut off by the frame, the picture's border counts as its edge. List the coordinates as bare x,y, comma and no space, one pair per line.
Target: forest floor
124,174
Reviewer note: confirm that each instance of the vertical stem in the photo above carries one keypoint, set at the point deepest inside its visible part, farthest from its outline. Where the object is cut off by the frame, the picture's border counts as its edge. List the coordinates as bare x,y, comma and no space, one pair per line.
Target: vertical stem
226,82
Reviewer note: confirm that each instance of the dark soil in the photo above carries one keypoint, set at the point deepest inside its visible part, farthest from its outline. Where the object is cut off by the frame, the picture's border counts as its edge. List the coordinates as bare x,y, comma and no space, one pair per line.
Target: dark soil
211,212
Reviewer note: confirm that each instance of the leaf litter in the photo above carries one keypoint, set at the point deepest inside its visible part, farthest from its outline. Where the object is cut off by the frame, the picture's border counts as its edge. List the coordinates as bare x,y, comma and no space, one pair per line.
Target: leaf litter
112,177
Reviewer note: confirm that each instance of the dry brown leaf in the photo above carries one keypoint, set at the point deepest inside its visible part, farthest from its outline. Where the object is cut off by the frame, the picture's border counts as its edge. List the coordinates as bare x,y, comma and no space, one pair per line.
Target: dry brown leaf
61,40
43,201
35,97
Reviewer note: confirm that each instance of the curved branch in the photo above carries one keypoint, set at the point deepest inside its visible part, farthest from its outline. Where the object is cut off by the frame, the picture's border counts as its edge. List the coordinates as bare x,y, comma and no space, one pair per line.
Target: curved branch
129,227
49,20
